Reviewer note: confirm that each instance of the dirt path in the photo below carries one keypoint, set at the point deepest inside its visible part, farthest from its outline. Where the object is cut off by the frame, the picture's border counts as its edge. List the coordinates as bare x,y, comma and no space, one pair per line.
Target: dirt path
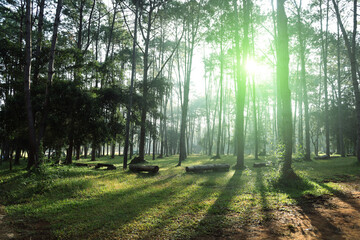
6,232
325,217
22,229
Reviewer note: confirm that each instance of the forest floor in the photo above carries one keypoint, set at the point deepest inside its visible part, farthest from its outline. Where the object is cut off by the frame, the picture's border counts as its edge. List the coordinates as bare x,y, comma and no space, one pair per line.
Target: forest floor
314,217
68,202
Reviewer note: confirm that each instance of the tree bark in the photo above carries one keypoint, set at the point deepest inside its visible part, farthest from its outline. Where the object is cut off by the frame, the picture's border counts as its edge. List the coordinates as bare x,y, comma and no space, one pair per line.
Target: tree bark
302,44
241,80
221,93
324,48
144,83
339,107
33,151
351,50
50,71
282,74
192,30
39,42
133,74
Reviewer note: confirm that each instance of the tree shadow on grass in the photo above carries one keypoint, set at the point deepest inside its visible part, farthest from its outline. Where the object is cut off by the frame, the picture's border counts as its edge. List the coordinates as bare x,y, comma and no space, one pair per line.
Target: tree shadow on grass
308,207
215,220
345,197
191,209
266,209
99,216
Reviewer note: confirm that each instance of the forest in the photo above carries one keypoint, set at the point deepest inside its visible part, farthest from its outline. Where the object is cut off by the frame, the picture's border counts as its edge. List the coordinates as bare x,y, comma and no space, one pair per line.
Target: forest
179,119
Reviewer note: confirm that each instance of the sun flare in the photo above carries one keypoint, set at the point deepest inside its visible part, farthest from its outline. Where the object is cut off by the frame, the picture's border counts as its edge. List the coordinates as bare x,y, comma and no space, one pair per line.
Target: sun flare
262,72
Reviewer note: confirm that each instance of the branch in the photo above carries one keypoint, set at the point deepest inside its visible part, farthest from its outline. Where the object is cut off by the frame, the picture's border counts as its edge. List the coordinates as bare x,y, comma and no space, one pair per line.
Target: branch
89,23
127,26
162,67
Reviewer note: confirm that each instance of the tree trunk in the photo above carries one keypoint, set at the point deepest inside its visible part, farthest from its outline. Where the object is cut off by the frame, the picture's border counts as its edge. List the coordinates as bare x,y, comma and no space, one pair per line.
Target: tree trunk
241,80
86,149
351,50
192,29
133,73
33,154
256,140
302,44
17,156
221,94
39,42
324,48
340,117
78,147
282,73
144,85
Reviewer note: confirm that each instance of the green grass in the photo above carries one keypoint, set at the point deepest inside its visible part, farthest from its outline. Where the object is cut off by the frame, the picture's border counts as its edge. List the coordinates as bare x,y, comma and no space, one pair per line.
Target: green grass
84,203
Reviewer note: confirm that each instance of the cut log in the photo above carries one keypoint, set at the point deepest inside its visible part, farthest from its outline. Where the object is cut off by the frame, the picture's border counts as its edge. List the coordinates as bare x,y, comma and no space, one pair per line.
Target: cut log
322,157
257,165
109,166
81,164
85,164
208,167
143,168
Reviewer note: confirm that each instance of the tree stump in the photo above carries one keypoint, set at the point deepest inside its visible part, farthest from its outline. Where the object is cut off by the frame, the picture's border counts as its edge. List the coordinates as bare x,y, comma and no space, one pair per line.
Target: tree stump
137,160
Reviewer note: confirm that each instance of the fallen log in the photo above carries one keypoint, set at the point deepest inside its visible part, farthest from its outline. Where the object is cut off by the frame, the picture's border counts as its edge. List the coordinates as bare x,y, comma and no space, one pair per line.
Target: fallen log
256,165
109,166
208,167
143,168
81,164
322,157
85,164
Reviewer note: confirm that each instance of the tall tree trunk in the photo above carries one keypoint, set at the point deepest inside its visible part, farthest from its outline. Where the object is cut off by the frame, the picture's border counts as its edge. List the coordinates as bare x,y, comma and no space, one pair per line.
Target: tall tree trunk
192,30
256,140
154,141
17,156
50,74
133,73
324,48
39,42
221,94
282,73
351,49
241,80
77,80
302,44
339,107
145,85
32,153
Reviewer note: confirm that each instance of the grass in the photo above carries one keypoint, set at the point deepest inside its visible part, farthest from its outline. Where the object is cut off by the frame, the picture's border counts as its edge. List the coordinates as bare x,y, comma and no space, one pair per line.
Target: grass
84,203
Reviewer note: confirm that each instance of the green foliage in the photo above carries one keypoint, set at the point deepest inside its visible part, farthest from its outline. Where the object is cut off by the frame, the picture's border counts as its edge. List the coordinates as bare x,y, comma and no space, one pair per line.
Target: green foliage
300,152
279,152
